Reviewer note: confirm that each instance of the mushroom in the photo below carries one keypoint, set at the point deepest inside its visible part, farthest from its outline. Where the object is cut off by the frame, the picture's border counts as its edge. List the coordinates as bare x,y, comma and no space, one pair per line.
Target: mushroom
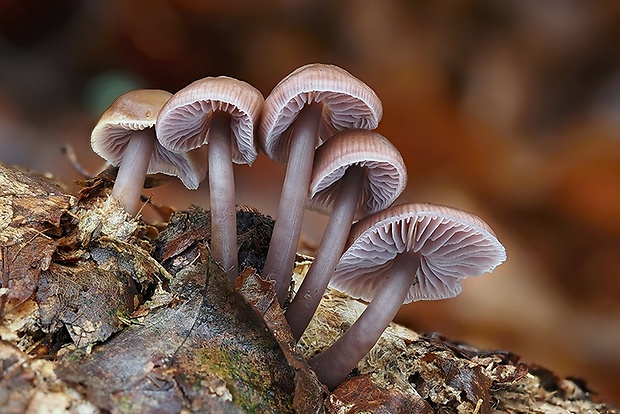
406,253
356,173
305,109
125,137
221,112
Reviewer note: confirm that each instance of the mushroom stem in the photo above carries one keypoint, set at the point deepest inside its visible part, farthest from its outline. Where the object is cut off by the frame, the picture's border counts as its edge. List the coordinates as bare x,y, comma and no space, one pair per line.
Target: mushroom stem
333,364
283,245
222,195
303,306
132,169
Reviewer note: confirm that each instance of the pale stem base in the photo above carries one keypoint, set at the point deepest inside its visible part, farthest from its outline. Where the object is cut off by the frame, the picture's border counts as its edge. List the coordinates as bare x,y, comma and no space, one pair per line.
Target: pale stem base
303,306
132,170
283,246
334,364
222,195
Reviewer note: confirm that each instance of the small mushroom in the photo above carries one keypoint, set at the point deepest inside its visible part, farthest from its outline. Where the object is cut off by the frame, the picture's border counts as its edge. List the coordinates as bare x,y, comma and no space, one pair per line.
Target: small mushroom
406,253
356,173
221,112
125,137
305,109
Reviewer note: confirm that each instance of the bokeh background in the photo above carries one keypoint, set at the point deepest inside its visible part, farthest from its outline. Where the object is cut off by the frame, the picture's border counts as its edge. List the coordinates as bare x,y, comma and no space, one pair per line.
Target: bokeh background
509,109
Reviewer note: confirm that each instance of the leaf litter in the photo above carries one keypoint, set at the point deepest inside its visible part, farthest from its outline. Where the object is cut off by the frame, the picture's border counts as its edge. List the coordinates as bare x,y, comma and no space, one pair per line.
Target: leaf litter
118,318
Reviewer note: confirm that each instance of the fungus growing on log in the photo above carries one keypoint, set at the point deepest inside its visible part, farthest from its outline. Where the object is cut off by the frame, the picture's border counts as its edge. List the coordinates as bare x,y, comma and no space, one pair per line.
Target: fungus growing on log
125,137
356,173
406,253
305,109
221,112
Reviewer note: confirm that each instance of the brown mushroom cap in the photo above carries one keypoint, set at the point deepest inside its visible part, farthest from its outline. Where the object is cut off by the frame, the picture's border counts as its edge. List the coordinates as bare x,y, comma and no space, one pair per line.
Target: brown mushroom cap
384,169
184,119
134,111
453,245
348,103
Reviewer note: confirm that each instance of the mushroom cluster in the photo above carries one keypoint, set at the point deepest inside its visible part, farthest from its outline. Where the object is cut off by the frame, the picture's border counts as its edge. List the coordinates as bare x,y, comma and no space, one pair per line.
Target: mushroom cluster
319,121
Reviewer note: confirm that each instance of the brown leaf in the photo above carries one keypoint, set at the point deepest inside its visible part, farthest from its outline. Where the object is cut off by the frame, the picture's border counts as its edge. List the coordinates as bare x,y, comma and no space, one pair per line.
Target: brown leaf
31,211
85,299
361,394
310,394
16,381
133,367
94,186
23,262
201,352
29,385
179,240
469,380
230,341
183,232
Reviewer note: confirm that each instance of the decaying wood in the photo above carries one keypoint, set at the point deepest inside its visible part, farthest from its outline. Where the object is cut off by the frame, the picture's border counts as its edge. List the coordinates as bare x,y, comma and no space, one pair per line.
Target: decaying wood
105,313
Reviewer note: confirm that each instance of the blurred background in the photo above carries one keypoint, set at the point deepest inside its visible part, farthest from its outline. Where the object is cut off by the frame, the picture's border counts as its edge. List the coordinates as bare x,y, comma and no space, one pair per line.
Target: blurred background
509,109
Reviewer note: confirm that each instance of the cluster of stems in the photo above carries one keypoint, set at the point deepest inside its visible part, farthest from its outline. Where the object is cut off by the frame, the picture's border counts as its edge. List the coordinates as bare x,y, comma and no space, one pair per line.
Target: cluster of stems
303,134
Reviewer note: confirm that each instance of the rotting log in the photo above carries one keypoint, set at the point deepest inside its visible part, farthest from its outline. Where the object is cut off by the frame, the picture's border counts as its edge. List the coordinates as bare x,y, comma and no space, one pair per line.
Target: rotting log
105,313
